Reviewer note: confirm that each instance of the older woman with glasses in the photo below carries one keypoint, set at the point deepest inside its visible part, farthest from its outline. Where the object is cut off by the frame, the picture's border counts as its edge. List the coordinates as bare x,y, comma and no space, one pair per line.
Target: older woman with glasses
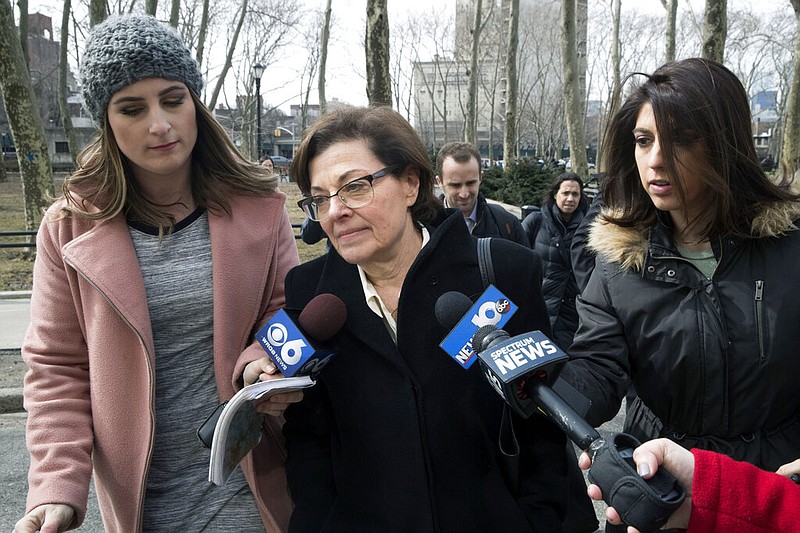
396,435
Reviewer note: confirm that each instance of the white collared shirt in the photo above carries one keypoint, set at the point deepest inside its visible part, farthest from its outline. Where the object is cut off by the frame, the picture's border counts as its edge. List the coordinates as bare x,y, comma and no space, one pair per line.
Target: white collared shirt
374,301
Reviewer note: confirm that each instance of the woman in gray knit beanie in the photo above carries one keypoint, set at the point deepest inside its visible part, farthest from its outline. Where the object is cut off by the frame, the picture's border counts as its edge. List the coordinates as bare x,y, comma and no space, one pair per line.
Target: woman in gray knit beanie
165,253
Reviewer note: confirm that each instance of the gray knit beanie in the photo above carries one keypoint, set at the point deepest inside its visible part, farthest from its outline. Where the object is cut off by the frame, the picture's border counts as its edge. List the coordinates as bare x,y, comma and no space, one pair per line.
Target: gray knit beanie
125,49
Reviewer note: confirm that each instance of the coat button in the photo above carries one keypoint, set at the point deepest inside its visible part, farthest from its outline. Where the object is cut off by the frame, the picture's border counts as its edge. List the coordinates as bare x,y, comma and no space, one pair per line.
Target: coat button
434,280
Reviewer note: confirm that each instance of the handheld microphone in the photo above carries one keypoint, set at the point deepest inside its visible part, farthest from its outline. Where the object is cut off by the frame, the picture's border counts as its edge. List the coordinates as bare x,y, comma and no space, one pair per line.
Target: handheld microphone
491,307
522,369
302,354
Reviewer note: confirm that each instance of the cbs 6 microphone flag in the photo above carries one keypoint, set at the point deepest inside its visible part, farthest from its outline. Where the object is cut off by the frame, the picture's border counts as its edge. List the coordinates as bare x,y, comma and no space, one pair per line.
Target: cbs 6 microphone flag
301,349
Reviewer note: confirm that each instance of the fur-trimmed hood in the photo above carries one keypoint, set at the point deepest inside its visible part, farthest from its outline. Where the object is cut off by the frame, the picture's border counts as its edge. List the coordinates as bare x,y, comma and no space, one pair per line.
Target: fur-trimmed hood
628,246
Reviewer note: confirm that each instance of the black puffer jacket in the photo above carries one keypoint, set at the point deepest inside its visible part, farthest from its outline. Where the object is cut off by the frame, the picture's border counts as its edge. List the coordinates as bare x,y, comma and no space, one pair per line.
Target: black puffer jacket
551,239
715,360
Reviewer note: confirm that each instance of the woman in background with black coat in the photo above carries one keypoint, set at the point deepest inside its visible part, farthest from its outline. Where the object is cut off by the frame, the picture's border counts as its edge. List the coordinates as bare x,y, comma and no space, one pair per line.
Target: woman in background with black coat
550,232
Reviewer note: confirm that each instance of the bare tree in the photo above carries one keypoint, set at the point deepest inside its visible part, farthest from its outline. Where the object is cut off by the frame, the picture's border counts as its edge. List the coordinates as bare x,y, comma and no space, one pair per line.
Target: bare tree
311,39
429,35
63,69
510,130
376,48
572,92
406,37
265,31
671,6
229,56
23,29
616,53
24,121
150,7
470,128
640,38
175,13
791,132
97,12
779,34
325,32
201,37
540,108
715,29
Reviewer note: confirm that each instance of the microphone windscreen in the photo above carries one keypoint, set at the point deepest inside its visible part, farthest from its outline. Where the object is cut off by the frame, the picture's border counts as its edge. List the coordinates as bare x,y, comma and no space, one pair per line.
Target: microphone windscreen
481,339
450,307
323,317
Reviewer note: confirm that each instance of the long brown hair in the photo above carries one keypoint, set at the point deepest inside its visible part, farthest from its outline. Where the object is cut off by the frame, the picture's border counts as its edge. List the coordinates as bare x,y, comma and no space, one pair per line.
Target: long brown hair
103,185
697,103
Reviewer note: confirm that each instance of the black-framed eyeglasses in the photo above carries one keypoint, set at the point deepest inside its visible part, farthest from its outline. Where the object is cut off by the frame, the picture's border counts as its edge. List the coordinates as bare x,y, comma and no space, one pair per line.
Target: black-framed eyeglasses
354,194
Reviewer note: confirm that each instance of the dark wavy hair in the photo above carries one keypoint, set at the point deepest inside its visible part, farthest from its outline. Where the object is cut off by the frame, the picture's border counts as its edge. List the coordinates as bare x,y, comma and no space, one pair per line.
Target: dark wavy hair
389,137
696,103
550,199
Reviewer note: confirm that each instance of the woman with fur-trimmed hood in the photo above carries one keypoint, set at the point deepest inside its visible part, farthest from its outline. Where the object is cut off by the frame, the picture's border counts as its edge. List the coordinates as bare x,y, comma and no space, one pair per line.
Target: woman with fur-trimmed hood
694,295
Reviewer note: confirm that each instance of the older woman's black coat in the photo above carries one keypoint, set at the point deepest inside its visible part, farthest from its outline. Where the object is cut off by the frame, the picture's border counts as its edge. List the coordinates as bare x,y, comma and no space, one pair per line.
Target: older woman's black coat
401,437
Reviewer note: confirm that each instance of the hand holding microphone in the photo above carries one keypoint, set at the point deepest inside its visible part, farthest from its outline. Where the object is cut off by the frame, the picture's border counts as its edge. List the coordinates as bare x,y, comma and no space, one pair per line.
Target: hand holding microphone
291,353
522,369
300,349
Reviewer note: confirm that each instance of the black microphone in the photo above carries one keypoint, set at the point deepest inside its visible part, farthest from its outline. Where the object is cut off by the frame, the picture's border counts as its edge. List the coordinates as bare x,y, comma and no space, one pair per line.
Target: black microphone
522,369
299,349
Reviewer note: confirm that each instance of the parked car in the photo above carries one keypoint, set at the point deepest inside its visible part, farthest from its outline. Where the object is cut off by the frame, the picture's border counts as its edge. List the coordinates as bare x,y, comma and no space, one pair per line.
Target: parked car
280,161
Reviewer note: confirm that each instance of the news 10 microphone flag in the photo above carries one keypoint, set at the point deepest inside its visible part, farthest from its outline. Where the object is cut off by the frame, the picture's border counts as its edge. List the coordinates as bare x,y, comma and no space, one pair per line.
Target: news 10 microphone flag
290,349
491,308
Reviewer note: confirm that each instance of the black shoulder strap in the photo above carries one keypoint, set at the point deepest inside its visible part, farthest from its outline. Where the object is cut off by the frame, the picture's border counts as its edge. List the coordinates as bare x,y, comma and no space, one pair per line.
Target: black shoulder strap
485,260
507,438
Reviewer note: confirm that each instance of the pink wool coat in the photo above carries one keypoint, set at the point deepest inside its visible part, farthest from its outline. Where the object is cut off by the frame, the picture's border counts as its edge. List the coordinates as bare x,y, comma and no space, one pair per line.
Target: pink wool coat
89,390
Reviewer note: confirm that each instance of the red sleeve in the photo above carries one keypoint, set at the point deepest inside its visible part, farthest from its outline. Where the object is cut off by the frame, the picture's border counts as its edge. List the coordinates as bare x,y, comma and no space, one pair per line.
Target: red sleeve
728,495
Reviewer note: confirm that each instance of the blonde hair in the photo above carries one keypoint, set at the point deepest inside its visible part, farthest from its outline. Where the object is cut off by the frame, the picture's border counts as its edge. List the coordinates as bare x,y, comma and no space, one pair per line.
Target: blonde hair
104,177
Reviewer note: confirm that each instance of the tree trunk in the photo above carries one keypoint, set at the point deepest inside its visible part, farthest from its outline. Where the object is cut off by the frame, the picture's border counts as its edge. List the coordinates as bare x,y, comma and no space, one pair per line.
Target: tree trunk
323,56
791,132
175,13
201,34
616,88
672,16
24,121
376,47
150,7
510,130
97,12
471,125
63,105
212,104
23,30
715,30
573,107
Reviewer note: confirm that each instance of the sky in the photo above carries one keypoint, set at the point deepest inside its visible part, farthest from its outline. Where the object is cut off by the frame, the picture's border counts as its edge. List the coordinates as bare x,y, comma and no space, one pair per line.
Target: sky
345,60
280,87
